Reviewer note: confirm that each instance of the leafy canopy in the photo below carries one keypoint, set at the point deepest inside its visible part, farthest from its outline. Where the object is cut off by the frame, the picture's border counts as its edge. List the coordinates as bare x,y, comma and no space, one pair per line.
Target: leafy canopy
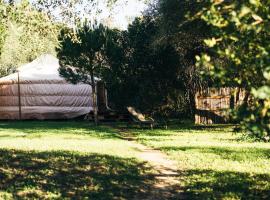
241,40
153,66
25,34
82,54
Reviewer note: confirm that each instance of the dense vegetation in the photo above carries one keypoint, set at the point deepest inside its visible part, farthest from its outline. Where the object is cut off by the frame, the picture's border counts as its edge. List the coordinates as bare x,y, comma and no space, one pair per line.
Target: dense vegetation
156,65
152,64
239,37
25,34
82,55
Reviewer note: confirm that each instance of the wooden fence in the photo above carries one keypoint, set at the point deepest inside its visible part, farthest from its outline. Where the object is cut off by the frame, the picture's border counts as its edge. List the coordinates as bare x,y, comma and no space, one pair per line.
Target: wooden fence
213,104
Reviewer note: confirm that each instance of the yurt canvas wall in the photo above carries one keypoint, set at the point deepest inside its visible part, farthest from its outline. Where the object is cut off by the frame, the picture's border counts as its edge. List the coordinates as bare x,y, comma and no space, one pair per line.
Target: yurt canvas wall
38,92
213,104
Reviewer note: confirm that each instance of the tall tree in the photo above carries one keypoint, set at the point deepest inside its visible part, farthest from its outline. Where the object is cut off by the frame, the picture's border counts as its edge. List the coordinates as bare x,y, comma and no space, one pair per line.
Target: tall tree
72,12
68,12
2,24
156,71
27,34
179,29
81,56
141,75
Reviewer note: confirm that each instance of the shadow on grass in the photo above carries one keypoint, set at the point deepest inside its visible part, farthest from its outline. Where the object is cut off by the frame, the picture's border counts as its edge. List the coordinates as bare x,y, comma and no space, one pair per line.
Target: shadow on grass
73,127
208,184
60,175
177,128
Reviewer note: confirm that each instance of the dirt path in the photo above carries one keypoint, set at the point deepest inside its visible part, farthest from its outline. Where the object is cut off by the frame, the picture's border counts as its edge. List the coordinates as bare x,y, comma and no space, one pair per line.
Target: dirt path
167,184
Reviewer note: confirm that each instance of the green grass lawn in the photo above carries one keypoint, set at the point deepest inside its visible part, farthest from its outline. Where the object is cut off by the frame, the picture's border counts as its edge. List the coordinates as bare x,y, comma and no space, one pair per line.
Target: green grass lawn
213,162
68,160
76,160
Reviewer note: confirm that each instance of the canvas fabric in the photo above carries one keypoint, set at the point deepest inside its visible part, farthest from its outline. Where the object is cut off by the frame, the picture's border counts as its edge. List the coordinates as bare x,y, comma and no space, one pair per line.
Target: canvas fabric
44,94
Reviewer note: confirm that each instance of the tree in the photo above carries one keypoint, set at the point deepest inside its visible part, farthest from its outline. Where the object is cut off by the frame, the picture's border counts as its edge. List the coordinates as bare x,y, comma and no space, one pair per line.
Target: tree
179,29
27,34
72,12
81,56
2,24
240,38
140,75
154,65
68,12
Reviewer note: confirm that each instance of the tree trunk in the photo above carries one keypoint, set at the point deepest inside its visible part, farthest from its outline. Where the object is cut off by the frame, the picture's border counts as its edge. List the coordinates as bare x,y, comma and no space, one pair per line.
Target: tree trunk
192,104
94,97
246,98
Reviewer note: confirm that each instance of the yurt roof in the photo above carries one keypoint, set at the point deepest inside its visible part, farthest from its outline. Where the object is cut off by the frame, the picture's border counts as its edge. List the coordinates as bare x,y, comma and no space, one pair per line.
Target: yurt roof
44,68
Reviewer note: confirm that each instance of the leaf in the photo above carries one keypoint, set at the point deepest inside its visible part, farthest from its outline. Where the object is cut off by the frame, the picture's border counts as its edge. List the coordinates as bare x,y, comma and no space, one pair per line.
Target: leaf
257,18
261,93
244,11
254,2
266,74
210,42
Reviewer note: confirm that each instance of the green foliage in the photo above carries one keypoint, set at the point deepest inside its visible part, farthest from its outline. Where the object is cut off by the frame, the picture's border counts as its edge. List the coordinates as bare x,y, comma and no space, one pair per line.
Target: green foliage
139,74
28,34
179,29
240,39
67,12
154,67
2,24
81,54
11,49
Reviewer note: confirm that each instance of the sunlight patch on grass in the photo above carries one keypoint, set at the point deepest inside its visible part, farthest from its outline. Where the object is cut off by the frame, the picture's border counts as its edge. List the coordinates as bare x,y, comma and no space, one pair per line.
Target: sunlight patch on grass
63,136
108,146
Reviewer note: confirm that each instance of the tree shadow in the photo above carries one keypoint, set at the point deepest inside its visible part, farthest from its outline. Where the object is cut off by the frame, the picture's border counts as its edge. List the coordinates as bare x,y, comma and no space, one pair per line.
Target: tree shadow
176,129
196,127
60,175
209,184
176,126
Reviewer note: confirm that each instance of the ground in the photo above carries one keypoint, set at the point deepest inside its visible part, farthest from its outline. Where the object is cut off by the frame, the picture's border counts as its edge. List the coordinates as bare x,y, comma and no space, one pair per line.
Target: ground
56,160
76,160
214,162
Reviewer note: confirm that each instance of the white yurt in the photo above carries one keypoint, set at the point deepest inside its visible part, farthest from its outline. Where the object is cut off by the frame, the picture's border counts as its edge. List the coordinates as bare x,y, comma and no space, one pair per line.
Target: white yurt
37,91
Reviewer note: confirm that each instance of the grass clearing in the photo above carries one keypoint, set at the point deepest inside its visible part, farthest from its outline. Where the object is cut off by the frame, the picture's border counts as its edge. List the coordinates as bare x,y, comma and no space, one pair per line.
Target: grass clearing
213,162
76,160
68,160
80,137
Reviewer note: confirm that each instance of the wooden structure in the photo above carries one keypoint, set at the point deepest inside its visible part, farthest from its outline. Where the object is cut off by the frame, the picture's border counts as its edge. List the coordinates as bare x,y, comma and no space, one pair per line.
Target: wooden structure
213,104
